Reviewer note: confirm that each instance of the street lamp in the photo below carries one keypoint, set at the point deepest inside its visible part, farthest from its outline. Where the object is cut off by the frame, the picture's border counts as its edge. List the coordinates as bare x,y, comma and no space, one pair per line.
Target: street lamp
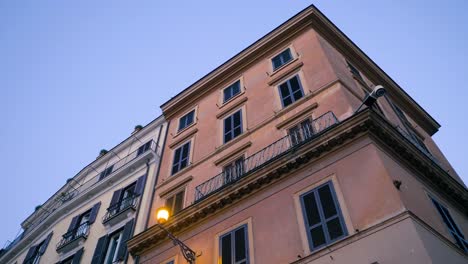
162,215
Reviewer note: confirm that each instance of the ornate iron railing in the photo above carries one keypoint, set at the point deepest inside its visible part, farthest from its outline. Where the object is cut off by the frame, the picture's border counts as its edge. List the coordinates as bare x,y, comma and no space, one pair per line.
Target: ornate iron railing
74,188
300,136
129,202
80,231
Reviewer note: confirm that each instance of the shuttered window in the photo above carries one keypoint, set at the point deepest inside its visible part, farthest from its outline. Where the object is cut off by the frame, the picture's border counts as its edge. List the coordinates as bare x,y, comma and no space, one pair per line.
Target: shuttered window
35,252
281,59
175,202
113,248
231,91
181,158
232,126
186,120
234,247
322,215
290,91
451,225
142,149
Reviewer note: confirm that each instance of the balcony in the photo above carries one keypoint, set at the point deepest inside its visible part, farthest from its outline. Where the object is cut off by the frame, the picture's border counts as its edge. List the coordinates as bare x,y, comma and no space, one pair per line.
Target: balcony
267,155
121,210
73,238
88,182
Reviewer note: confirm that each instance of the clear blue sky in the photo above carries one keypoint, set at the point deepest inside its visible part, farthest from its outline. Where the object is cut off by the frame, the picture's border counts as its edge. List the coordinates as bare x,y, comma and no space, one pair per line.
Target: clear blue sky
77,76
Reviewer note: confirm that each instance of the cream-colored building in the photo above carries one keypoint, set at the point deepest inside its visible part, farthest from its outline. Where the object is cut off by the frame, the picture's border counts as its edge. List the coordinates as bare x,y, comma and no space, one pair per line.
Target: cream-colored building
90,218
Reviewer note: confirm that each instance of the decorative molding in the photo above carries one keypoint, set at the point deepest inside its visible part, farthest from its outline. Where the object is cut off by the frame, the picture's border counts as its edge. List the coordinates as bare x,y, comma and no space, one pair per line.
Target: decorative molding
284,72
232,107
297,115
175,187
185,137
233,153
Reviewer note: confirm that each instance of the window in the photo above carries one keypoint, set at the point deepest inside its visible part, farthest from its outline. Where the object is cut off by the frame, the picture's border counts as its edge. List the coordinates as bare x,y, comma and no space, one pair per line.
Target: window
186,120
106,172
322,216
175,202
354,71
35,252
451,225
291,91
125,198
181,158
281,59
231,91
301,132
406,123
233,170
234,247
74,259
112,248
232,126
142,149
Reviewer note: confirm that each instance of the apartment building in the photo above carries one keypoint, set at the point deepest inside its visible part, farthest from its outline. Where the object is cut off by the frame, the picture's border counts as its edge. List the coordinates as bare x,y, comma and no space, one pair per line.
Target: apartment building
91,217
268,160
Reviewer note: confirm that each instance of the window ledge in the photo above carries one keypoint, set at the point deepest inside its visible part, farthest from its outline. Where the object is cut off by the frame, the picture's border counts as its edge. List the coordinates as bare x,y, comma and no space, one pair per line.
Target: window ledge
232,142
233,153
232,99
179,132
285,70
297,115
180,140
294,105
183,182
232,107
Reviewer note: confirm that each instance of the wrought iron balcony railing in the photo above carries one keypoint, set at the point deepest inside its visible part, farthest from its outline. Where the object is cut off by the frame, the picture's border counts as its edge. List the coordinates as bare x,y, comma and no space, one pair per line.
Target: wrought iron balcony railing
121,206
292,141
81,231
73,188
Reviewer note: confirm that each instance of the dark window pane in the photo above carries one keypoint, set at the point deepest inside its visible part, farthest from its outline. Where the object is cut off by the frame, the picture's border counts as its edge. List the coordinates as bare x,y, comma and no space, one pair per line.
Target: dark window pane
318,237
311,209
226,249
276,62
287,101
239,237
237,119
450,220
284,90
286,55
179,198
334,228
294,83
326,199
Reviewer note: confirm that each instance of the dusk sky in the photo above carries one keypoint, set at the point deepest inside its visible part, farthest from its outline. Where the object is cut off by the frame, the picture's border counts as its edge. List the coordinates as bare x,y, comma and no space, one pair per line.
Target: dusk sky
77,76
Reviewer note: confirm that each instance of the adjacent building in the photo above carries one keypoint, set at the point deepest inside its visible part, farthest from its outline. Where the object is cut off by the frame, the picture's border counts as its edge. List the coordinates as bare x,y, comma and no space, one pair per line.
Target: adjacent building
267,160
92,216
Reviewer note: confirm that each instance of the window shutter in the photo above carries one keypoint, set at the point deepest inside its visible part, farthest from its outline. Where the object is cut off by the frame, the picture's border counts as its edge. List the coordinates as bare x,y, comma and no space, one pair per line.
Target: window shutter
94,212
126,235
115,197
140,185
100,250
226,253
74,223
77,257
30,253
43,248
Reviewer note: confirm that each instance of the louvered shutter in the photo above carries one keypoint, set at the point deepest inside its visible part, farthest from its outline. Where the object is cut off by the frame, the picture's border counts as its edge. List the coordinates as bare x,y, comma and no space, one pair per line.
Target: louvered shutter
77,257
30,253
100,250
94,212
126,235
140,185
43,248
115,197
74,223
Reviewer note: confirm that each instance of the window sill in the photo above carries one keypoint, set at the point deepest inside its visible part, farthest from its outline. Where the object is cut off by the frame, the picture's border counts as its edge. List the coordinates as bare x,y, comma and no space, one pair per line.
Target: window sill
297,115
287,68
232,142
181,139
294,105
232,99
184,129
232,107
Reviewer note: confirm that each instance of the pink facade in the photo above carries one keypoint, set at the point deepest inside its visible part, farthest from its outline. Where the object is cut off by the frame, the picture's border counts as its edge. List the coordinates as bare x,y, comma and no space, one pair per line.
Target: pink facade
381,170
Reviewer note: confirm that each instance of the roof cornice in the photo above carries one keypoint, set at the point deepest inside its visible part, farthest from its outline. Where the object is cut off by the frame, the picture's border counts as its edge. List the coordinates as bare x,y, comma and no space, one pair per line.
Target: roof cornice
310,16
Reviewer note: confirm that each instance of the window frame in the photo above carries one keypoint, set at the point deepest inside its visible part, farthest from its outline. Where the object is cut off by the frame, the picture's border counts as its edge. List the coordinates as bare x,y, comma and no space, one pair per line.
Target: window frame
173,194
116,251
283,63
454,229
240,110
233,95
186,125
300,125
291,93
231,233
323,222
189,157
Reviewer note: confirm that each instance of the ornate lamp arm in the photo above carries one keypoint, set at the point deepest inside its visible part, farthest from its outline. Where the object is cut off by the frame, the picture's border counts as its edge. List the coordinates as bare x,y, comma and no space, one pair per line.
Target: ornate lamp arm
187,252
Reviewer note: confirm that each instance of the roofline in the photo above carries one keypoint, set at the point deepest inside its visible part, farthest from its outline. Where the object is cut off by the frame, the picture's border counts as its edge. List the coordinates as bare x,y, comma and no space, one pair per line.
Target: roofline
325,28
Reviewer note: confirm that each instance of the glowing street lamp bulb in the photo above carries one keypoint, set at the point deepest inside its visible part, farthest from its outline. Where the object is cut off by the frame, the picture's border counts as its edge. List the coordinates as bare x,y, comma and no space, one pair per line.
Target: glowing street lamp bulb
162,215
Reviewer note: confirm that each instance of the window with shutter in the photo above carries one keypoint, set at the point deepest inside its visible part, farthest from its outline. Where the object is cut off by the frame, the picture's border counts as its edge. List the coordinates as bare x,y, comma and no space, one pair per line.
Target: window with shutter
322,215
234,247
35,252
281,59
232,126
181,157
290,91
451,225
175,203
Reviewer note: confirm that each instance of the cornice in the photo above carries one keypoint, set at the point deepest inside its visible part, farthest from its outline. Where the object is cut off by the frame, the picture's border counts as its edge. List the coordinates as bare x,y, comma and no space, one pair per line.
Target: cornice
366,122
